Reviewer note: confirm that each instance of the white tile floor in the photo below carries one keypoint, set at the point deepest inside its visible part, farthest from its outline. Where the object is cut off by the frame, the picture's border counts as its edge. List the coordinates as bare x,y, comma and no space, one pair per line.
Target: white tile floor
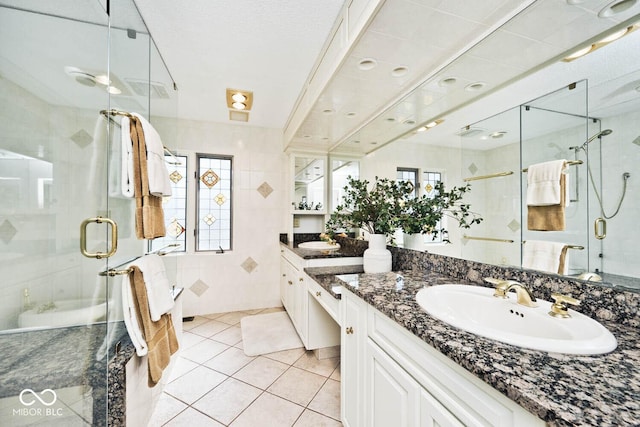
215,384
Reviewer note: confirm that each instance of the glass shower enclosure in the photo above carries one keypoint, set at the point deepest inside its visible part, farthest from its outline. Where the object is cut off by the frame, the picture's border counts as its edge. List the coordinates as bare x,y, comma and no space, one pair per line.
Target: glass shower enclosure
63,219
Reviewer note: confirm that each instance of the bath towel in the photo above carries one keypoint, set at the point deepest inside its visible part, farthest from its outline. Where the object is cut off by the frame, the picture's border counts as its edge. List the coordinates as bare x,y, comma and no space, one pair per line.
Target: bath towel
157,173
126,152
550,257
134,327
160,336
157,285
543,183
549,218
149,213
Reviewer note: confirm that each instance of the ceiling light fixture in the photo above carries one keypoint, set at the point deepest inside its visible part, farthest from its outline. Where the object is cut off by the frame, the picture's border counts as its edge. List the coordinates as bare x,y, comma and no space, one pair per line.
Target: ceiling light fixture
367,64
474,87
239,99
447,81
400,71
600,43
616,7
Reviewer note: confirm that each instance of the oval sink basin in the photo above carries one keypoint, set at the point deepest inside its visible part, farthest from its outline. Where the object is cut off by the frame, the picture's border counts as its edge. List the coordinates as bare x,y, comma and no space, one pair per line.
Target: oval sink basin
319,246
476,310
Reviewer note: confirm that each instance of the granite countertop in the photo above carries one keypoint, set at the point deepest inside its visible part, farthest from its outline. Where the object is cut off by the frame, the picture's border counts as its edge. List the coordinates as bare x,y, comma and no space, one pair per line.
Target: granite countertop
344,251
563,390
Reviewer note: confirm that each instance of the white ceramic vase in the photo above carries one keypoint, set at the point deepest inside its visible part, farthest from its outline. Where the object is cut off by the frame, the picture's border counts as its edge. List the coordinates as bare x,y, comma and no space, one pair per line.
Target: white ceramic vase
413,241
377,258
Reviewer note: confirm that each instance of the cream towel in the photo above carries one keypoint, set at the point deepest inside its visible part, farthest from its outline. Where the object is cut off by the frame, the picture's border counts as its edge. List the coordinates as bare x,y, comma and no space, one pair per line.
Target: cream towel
158,175
160,336
134,328
550,257
157,285
549,218
543,183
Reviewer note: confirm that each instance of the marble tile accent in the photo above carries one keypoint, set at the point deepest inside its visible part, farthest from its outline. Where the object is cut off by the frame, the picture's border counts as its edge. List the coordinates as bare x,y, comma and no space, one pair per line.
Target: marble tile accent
199,287
249,265
265,189
82,138
7,231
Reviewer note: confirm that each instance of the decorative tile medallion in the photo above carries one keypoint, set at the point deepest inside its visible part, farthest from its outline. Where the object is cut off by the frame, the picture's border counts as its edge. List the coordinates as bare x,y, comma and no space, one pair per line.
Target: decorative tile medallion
82,138
175,177
209,219
265,189
209,178
428,188
472,168
249,265
220,199
199,287
175,229
7,231
514,226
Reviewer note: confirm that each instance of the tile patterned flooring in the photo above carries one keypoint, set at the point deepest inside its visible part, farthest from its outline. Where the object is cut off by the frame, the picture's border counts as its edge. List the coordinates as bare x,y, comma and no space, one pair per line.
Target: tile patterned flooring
215,384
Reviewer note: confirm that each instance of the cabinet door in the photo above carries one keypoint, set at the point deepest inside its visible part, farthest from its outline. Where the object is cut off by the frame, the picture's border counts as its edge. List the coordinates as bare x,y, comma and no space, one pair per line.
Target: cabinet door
286,285
392,396
300,306
433,414
352,355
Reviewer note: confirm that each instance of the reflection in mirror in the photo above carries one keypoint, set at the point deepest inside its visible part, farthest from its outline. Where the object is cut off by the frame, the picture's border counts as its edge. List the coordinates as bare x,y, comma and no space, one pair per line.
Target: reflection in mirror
309,184
341,169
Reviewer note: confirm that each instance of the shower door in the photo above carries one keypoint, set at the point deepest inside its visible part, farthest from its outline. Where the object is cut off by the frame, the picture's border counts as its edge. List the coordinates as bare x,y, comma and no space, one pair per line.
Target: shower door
59,198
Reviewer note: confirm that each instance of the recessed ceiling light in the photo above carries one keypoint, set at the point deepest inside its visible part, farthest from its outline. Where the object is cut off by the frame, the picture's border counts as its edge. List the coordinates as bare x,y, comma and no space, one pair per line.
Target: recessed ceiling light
356,141
350,114
327,111
307,136
400,71
390,119
616,7
498,134
448,81
474,87
367,64
374,143
238,97
409,122
578,53
239,105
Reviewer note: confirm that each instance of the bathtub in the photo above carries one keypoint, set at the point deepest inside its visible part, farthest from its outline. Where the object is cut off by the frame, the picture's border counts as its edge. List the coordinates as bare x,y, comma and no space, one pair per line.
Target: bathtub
67,313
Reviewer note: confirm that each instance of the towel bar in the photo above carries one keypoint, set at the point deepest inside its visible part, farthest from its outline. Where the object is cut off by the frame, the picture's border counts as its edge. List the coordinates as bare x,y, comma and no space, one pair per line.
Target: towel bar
489,239
569,163
493,175
578,247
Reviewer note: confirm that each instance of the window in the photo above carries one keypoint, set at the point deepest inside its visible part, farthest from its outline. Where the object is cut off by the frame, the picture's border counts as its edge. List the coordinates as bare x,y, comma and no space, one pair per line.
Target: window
429,181
175,208
411,175
214,207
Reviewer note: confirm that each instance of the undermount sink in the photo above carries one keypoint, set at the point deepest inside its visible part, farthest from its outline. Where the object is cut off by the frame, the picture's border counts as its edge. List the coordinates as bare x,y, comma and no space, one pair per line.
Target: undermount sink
319,246
476,310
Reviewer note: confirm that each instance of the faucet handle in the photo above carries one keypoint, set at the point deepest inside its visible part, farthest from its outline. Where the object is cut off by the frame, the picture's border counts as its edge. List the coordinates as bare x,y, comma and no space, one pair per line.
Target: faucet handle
501,286
560,308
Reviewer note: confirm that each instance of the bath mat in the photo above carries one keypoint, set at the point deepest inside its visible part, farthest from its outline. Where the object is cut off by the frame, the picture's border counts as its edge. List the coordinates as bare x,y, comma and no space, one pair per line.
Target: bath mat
268,333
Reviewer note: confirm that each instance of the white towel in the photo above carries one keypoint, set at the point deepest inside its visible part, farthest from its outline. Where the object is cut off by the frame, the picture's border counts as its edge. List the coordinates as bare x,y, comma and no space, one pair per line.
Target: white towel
545,256
127,158
131,319
159,183
543,183
157,285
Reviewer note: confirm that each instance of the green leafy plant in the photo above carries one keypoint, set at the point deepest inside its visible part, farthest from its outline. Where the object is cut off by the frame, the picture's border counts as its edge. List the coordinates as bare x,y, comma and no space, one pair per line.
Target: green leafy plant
376,209
388,205
422,215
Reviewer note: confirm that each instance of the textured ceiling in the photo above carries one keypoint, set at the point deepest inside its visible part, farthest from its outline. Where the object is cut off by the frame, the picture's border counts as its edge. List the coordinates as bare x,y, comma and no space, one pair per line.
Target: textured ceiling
268,47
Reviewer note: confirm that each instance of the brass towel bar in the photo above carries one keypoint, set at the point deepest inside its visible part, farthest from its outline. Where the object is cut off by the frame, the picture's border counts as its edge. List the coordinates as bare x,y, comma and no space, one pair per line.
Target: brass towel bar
489,239
569,163
115,272
108,113
493,175
578,247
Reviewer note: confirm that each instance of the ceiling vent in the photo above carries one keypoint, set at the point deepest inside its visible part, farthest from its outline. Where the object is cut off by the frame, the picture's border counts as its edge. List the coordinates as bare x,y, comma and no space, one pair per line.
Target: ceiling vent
155,90
469,131
239,116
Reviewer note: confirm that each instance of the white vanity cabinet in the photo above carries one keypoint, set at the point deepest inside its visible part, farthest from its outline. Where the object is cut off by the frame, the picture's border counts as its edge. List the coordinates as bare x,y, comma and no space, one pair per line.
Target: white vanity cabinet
391,377
311,309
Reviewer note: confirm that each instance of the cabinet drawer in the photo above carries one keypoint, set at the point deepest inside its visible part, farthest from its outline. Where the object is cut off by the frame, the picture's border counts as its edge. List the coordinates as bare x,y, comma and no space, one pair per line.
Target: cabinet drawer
326,300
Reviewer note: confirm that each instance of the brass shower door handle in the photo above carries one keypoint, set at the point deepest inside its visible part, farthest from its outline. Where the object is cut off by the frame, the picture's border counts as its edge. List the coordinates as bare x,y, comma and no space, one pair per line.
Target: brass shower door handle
600,228
83,237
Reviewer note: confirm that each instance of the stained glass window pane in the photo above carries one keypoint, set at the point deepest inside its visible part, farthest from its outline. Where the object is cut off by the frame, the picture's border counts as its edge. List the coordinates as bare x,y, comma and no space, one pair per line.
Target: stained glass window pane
214,225
175,208
429,181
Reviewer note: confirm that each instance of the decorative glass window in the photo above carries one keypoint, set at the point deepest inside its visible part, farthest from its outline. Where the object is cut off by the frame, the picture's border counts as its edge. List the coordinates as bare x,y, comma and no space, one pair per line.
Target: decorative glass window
175,208
214,210
411,175
429,181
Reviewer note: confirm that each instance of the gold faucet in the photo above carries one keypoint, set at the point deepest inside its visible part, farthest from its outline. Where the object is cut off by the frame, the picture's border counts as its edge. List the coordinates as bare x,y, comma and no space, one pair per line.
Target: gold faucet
523,294
560,307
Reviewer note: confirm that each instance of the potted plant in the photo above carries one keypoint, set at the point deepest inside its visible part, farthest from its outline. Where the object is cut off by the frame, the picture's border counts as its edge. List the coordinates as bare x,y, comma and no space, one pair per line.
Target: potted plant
377,211
423,215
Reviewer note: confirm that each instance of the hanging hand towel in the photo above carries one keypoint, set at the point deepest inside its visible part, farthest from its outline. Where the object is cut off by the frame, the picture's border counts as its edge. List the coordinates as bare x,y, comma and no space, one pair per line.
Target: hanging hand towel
158,175
149,212
126,165
546,198
550,257
134,327
160,336
157,285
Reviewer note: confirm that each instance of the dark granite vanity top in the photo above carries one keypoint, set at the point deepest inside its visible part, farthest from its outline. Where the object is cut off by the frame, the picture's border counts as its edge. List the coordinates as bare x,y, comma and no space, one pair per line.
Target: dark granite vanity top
563,390
348,247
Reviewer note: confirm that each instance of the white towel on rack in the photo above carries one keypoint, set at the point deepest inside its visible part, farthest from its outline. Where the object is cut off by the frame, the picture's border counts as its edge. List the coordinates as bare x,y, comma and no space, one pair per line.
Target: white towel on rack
545,256
157,285
543,183
131,318
159,183
127,158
